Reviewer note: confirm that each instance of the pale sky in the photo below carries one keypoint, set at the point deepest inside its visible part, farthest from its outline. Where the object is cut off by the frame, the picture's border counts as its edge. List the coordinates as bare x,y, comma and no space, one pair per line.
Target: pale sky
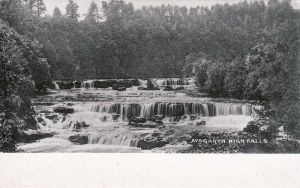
84,4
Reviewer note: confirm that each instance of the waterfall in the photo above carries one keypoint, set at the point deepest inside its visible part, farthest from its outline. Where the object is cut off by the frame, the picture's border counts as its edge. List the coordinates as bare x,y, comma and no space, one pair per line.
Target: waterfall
74,84
171,109
87,84
56,85
233,109
124,110
170,82
142,82
113,140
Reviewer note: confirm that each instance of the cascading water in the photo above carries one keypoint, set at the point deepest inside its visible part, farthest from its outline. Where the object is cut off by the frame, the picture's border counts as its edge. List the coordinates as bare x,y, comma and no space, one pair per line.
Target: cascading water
102,122
169,109
89,84
142,82
113,140
170,82
56,85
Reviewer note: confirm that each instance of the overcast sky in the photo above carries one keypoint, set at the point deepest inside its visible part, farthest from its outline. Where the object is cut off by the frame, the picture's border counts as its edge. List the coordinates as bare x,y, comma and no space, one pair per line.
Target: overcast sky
84,4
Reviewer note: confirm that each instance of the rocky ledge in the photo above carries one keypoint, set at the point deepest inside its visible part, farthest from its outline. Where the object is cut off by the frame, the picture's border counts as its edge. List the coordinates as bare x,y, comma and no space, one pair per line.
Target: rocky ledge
79,139
146,123
33,136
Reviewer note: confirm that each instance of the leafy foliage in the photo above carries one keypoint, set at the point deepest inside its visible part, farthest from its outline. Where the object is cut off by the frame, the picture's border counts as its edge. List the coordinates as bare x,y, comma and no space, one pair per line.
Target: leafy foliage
16,87
265,67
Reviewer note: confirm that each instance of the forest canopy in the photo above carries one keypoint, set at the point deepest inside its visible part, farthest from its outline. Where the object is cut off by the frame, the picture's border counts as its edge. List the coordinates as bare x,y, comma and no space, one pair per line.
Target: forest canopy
119,41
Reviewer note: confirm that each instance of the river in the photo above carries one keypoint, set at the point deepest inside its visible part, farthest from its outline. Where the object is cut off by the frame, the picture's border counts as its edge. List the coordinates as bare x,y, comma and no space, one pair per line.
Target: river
100,116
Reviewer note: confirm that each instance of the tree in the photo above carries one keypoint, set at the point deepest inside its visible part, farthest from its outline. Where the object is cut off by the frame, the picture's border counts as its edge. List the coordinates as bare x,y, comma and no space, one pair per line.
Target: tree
18,17
16,88
189,64
37,6
201,69
93,13
235,78
56,12
72,10
40,7
215,79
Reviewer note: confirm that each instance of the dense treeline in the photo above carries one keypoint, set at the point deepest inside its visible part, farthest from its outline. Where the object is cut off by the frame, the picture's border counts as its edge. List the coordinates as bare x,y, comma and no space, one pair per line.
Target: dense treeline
119,41
23,67
244,50
265,66
20,61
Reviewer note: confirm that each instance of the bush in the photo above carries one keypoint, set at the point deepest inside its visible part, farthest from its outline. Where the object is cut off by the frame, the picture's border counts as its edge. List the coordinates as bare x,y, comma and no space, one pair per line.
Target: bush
8,135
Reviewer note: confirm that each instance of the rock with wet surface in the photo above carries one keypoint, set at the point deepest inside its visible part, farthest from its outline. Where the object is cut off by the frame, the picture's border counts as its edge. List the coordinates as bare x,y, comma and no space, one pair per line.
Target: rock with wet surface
53,117
144,123
179,88
79,139
78,125
63,110
151,143
168,88
33,136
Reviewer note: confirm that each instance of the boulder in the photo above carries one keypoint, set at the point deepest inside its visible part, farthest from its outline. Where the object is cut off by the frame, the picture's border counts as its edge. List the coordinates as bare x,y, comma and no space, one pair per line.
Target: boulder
52,117
193,117
135,82
65,85
63,110
125,83
115,87
147,124
121,84
149,84
102,84
168,88
146,88
151,143
138,120
77,84
112,82
78,125
180,88
33,136
121,89
79,139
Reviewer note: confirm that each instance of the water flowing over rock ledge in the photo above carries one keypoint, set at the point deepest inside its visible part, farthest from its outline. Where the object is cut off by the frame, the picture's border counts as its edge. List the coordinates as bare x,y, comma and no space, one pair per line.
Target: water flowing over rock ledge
148,120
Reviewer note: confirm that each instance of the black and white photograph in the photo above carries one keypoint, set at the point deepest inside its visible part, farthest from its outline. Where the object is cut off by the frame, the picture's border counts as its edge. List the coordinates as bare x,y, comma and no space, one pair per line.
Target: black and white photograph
150,76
